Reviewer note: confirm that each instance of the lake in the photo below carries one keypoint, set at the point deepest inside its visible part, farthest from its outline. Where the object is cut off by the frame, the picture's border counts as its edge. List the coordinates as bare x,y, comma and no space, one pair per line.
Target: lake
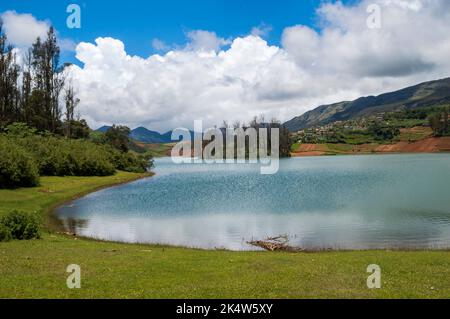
336,202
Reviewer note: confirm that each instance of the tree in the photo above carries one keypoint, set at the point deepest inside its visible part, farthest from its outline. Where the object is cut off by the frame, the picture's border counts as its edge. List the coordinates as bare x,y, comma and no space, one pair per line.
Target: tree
285,142
71,104
439,123
383,132
79,129
25,94
9,75
118,137
48,80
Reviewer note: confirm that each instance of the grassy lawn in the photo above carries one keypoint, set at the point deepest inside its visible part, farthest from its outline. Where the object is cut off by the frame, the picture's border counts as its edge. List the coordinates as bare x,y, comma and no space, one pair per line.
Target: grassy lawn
36,269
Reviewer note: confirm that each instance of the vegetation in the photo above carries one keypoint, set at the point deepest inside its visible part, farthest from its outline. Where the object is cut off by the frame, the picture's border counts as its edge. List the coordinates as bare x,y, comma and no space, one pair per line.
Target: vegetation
118,137
5,233
157,150
19,225
34,138
17,167
25,157
382,128
285,141
384,132
439,123
113,270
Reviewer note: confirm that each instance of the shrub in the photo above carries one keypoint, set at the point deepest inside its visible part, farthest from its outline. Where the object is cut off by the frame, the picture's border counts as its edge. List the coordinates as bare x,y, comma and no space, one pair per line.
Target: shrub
53,156
17,167
5,233
131,162
21,225
64,157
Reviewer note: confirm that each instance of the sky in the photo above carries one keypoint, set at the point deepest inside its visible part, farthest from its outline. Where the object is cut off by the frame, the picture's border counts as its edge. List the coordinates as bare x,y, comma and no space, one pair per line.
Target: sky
164,64
137,23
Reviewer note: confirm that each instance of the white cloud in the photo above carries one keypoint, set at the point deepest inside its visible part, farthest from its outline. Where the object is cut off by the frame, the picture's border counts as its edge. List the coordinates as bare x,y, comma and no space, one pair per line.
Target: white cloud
159,45
261,31
201,40
214,79
23,29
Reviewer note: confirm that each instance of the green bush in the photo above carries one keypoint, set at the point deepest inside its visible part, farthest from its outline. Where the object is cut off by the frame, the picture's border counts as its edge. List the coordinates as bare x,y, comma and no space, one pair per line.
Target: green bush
131,162
17,167
65,157
24,157
21,225
5,233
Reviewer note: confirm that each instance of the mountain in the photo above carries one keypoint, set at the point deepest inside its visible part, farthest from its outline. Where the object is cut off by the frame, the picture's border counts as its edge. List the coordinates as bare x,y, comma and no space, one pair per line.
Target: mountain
103,129
141,134
422,95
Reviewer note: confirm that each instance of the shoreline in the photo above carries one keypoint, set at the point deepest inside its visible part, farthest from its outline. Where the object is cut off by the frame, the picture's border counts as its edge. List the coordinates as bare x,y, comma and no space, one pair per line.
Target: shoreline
54,223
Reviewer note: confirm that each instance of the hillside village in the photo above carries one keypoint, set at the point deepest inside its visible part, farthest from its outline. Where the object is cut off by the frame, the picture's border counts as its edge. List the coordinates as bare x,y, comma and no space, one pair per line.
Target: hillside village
370,134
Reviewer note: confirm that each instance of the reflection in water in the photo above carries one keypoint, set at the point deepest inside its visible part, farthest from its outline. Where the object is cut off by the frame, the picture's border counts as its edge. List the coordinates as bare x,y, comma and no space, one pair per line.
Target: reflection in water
73,225
357,202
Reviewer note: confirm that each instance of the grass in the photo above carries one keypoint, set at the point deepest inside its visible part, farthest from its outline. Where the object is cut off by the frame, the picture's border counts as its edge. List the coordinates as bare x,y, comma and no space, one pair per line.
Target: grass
37,269
295,147
414,134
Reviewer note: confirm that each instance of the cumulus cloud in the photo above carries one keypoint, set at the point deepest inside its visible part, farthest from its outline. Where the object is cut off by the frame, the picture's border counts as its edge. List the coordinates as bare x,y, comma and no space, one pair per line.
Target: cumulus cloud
213,78
23,29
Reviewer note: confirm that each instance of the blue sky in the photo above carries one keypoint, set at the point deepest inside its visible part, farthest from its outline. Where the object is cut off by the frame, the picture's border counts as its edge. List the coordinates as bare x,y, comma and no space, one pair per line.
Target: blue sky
138,22
317,52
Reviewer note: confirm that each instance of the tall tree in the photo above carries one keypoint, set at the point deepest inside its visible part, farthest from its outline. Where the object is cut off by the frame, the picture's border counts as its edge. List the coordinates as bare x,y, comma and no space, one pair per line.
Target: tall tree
71,104
25,94
48,80
9,75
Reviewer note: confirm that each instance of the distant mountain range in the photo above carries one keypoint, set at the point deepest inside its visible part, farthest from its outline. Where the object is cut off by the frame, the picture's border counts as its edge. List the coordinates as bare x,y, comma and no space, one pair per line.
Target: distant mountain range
422,95
141,134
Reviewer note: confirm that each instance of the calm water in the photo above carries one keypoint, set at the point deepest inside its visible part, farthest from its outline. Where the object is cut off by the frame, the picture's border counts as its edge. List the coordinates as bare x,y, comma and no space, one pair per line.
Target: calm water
347,202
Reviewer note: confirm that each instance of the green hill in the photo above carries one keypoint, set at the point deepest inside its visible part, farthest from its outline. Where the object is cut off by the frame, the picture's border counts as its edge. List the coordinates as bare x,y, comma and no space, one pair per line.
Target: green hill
422,95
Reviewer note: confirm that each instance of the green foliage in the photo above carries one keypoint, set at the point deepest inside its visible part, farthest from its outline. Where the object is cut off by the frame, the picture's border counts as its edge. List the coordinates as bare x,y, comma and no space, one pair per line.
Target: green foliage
17,167
20,225
24,158
65,157
118,137
5,233
382,132
19,129
77,129
439,122
97,137
131,162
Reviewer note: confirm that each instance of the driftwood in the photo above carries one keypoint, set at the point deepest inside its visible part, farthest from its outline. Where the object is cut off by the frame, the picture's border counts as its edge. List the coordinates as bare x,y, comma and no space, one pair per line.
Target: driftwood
279,243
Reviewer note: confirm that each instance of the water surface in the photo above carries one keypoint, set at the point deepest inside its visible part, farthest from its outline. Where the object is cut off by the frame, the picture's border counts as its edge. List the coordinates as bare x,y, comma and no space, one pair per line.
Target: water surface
345,202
